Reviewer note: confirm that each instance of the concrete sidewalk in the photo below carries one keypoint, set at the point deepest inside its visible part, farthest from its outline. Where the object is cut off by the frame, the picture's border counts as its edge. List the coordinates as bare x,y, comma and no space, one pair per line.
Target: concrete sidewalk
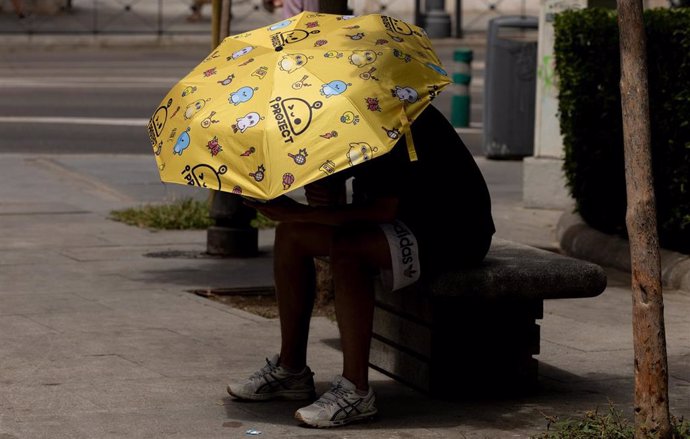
102,339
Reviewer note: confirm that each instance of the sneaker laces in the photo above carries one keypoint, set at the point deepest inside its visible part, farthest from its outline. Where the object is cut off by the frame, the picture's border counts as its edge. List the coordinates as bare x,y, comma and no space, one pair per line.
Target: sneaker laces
266,370
332,396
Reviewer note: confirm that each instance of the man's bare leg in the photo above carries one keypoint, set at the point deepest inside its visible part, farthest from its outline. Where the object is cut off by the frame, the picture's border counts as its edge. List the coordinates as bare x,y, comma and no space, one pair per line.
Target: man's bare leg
295,246
355,258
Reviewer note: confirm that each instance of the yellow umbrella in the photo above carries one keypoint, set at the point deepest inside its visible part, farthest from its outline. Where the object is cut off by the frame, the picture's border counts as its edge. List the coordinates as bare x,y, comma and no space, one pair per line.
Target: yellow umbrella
276,108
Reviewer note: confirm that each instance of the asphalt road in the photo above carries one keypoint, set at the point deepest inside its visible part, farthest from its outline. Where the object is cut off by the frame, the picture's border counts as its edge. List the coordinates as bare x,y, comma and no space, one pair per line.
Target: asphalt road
96,100
90,100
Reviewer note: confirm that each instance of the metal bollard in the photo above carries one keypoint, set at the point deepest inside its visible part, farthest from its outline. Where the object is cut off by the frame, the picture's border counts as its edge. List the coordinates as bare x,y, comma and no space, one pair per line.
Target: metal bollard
462,75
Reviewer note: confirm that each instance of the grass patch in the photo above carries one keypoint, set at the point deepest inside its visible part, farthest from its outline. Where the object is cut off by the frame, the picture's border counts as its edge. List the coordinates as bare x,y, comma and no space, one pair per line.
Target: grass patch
183,214
610,425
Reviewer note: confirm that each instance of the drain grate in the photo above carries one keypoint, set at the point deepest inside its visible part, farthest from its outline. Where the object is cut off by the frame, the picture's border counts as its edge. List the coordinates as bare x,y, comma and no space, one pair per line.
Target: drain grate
236,291
181,254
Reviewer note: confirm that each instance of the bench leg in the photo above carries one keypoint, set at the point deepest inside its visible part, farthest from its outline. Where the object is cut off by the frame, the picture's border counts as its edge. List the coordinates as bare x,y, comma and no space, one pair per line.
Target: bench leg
484,347
452,348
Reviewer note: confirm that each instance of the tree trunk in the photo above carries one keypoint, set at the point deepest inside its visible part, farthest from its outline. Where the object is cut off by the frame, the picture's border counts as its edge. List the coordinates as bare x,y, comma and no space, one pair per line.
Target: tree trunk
333,6
651,370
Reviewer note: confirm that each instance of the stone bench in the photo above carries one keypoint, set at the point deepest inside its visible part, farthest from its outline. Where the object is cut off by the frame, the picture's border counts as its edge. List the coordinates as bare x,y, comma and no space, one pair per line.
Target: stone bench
471,331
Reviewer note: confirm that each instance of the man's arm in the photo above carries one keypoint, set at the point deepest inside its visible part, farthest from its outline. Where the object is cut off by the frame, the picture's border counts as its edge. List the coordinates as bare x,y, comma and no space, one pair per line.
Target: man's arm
285,209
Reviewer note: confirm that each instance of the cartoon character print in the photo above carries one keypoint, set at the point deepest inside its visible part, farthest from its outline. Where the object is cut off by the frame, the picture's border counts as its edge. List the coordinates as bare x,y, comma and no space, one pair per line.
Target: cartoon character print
405,94
248,152
369,74
194,108
157,121
290,63
260,72
204,176
213,55
327,167
360,152
319,43
350,118
373,104
250,60
433,91
210,72
188,90
402,55
361,58
281,39
207,121
183,142
334,88
396,26
280,25
333,54
260,173
300,158
437,68
247,121
293,116
288,180
392,133
228,80
214,146
297,85
356,37
243,51
243,94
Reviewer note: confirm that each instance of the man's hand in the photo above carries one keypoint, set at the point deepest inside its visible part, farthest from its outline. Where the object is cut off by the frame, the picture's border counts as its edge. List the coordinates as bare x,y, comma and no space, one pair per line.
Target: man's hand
281,209
325,192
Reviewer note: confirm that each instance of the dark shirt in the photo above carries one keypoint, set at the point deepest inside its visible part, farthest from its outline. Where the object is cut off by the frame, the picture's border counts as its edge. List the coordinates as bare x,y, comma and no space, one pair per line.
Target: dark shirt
443,196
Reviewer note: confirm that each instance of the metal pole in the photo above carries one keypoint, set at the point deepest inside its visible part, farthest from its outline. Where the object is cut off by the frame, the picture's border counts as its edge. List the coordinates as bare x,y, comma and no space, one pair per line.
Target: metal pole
462,75
458,19
437,20
232,235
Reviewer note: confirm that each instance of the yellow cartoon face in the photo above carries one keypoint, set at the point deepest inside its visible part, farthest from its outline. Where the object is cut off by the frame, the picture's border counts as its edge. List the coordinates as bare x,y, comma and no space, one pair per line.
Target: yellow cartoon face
360,152
194,108
396,26
290,63
362,58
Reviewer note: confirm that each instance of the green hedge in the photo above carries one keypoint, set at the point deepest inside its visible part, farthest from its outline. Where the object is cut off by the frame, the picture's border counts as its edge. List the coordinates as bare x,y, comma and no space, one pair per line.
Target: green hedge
588,67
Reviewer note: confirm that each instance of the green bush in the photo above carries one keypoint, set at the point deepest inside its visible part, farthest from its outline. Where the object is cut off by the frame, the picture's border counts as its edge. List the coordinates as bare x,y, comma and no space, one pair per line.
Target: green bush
588,67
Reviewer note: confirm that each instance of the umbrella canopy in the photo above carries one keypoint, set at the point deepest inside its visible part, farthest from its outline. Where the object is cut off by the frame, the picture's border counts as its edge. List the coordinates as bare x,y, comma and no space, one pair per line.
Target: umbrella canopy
275,108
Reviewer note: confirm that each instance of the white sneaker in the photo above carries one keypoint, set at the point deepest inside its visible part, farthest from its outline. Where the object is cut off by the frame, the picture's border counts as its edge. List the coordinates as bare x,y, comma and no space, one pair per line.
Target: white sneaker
339,406
275,382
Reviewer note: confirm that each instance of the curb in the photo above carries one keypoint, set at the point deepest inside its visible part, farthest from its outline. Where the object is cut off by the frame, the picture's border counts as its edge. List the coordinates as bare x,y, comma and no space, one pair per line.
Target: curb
579,240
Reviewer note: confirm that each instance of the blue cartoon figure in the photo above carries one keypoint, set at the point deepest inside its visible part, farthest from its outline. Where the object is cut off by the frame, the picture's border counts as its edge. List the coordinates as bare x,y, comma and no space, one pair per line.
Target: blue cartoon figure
439,69
280,25
182,142
241,95
334,88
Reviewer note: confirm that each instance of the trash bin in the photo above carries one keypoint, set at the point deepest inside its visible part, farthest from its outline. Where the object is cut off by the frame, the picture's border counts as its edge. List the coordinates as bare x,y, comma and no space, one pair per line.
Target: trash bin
510,87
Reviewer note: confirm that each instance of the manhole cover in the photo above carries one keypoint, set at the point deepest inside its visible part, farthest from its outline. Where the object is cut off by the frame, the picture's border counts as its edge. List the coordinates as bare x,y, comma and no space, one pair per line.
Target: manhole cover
181,254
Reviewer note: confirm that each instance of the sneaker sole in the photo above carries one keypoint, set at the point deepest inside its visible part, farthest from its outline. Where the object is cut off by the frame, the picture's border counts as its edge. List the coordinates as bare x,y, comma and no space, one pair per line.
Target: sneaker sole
288,395
325,424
